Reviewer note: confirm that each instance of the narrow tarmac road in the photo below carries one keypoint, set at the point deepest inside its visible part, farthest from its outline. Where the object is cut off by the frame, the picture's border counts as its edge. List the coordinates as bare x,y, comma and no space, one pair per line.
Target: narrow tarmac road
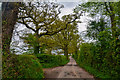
70,70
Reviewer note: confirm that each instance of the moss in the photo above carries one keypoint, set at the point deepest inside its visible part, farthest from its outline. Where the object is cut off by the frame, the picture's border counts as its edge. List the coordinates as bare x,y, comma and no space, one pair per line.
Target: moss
21,66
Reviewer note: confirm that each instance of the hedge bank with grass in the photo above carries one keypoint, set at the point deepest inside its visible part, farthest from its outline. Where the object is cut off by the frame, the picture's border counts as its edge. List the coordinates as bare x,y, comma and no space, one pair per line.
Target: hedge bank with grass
21,66
29,66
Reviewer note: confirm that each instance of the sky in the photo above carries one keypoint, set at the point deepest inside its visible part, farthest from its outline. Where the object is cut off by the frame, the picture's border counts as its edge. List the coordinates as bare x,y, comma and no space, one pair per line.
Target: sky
0,5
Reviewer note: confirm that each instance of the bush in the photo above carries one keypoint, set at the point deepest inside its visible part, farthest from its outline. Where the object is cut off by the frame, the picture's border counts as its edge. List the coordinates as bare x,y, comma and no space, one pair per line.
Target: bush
75,56
21,66
86,53
48,61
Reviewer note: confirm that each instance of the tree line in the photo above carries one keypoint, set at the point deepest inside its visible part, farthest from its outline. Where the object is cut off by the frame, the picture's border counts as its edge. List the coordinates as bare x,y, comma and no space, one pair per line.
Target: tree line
44,22
103,53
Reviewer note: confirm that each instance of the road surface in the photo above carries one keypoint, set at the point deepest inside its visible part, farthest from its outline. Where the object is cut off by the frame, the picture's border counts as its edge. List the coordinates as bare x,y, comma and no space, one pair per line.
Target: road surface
70,70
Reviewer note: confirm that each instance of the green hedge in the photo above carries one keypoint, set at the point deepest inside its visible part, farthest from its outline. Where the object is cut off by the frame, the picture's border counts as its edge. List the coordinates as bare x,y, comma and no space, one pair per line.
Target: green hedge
48,61
21,66
95,61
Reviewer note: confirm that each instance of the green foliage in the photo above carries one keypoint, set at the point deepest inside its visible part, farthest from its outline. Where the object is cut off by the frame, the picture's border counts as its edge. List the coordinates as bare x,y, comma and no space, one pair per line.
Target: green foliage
85,53
103,55
95,27
47,60
75,56
94,71
21,66
67,39
4,22
30,39
50,24
29,52
102,63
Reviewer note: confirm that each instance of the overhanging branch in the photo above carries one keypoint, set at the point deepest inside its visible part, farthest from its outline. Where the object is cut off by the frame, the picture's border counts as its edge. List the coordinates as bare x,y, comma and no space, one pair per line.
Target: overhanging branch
107,7
23,22
50,33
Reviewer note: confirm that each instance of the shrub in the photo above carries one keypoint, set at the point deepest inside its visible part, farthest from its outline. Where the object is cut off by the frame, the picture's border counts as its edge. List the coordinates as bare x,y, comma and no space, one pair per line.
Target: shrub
21,66
61,60
48,61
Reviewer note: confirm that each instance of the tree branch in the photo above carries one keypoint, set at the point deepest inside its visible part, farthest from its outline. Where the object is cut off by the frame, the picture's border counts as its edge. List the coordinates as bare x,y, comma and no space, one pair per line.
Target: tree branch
27,25
50,33
107,7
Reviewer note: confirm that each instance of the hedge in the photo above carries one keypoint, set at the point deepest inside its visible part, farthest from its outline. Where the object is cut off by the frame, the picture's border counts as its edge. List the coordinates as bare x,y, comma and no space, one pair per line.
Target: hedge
92,59
48,61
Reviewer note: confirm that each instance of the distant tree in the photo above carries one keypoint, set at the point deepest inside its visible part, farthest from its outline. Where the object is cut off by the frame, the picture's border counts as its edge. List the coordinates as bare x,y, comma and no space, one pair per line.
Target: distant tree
65,37
75,44
42,19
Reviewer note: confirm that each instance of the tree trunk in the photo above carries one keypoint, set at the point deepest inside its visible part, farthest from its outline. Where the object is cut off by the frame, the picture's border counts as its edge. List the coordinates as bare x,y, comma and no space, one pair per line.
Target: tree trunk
36,44
113,26
42,50
76,50
9,18
36,49
50,51
66,51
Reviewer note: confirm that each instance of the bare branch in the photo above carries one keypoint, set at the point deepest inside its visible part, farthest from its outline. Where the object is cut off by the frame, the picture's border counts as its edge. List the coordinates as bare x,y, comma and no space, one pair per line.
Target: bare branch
26,25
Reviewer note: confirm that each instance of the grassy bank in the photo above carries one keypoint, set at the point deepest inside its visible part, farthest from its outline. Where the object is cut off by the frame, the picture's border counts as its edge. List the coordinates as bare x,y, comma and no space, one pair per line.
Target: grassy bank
29,66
